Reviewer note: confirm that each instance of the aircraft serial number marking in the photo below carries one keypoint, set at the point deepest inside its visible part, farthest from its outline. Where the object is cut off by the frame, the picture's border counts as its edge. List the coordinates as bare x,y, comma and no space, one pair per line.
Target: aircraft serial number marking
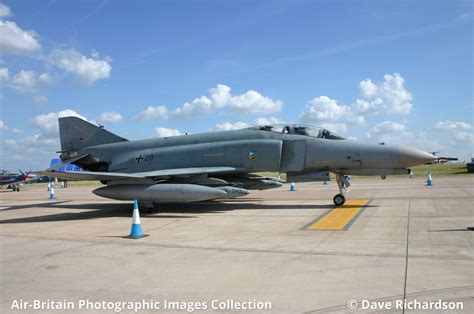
139,158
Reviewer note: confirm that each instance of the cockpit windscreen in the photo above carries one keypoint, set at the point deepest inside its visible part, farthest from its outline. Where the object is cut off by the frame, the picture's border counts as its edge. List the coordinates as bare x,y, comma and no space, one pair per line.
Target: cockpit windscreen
298,129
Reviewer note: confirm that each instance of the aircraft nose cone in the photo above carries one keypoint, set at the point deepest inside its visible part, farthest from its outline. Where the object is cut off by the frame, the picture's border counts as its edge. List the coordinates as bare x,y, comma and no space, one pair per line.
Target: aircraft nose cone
408,156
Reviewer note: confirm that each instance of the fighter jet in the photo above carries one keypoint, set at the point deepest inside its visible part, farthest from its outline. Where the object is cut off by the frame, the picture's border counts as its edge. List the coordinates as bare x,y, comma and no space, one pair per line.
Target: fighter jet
220,165
442,160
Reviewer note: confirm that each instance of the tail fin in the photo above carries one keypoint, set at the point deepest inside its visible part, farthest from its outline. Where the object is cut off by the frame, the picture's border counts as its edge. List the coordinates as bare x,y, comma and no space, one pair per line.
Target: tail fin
76,133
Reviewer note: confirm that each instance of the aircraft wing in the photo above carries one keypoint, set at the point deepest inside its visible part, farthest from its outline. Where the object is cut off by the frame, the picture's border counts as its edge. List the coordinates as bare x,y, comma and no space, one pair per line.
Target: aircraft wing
108,176
88,175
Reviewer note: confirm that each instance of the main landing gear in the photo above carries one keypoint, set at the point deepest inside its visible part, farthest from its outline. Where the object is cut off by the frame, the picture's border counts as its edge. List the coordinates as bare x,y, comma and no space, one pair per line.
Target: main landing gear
344,186
14,187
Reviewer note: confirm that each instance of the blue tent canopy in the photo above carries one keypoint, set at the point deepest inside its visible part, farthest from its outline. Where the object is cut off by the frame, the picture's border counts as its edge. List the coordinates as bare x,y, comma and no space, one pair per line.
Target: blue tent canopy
69,167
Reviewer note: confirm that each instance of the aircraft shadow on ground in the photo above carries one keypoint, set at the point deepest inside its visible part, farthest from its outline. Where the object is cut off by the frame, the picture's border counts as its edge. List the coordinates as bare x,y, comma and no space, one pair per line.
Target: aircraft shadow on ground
92,211
108,210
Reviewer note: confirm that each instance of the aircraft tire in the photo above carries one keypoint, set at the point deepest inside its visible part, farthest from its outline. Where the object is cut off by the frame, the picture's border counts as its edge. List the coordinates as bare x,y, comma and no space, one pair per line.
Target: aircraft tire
339,200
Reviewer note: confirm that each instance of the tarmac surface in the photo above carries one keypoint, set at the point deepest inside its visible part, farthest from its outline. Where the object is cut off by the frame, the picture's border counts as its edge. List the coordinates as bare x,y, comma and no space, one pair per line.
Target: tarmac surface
396,239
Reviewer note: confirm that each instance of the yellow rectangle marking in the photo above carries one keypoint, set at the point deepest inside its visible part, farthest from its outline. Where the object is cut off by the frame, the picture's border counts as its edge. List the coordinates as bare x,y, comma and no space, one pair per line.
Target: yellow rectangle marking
339,217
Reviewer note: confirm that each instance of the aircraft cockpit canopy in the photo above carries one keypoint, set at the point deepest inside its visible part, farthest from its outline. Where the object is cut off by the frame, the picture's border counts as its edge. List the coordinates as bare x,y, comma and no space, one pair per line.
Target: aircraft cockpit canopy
299,129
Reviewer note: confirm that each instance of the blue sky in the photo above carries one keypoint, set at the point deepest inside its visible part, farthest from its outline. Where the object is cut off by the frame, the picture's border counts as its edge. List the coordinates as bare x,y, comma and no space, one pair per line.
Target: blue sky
393,71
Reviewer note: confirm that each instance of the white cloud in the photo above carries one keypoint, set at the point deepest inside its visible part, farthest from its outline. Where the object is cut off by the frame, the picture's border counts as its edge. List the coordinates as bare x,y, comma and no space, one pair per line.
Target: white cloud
385,128
452,126
17,157
198,105
48,123
40,100
40,139
3,126
4,75
164,132
28,81
9,142
87,70
45,78
387,97
323,110
355,119
33,145
111,117
339,128
254,102
420,140
4,10
219,97
153,112
14,40
24,81
464,137
226,126
267,121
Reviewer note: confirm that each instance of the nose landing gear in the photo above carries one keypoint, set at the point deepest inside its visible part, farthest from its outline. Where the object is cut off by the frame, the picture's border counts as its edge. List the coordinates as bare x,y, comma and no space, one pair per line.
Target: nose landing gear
344,186
339,199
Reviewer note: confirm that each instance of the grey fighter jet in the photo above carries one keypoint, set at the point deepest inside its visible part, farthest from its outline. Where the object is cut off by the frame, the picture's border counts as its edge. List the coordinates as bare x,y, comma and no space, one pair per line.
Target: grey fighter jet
220,165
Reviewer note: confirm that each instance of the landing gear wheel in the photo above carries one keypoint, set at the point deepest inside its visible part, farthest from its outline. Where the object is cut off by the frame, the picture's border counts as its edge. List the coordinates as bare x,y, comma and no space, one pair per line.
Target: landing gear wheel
339,200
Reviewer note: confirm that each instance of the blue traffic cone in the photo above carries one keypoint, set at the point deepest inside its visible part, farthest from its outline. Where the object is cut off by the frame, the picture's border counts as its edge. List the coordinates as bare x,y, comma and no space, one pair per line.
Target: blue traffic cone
429,181
52,196
136,231
292,187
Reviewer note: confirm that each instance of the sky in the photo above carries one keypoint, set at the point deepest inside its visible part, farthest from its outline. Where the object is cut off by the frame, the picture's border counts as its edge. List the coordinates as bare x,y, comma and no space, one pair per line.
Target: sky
399,72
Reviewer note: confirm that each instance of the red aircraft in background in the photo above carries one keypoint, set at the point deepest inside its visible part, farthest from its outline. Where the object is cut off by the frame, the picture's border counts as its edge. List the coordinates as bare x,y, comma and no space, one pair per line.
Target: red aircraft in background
442,160
13,180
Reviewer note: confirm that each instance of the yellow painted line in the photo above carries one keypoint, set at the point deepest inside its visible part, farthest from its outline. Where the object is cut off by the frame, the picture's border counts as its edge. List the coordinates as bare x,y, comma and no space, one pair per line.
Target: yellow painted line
340,217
